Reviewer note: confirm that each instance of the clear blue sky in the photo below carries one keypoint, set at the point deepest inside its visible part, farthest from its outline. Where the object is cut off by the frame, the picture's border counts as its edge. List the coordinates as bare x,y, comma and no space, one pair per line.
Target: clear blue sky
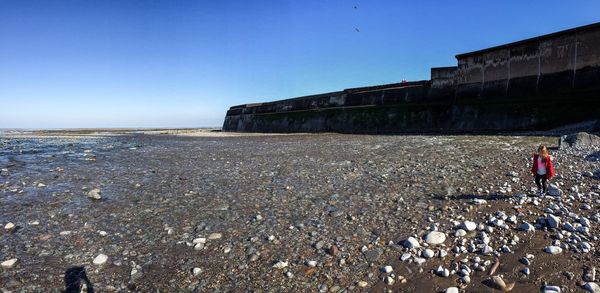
183,63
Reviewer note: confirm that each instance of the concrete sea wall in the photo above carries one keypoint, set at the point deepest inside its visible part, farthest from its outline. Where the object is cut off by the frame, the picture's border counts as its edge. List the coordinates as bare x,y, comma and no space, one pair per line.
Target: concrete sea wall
537,84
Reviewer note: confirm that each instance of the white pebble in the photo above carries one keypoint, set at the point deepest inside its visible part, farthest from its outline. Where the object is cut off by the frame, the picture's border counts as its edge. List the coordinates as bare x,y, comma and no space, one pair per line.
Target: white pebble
100,259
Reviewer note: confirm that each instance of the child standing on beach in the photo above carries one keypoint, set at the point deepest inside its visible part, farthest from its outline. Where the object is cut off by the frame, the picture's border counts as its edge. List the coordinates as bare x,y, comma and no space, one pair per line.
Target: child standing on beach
542,169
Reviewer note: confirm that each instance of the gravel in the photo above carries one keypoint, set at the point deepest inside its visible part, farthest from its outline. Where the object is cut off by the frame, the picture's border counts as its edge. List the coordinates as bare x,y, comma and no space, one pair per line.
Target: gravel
203,214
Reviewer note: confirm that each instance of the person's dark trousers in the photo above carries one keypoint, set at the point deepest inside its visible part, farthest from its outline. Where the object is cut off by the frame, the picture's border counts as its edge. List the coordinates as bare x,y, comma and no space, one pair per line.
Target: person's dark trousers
541,181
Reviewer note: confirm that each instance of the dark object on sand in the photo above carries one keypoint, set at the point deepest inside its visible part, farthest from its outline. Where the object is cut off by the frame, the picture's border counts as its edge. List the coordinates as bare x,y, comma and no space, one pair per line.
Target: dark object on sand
73,277
581,139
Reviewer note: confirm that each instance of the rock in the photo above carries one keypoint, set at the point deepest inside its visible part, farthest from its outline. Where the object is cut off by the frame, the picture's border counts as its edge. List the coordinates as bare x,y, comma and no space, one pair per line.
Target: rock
592,287
512,174
387,269
280,264
389,280
435,238
451,290
552,221
487,250
40,185
527,227
578,140
8,264
442,272
373,254
553,190
553,249
428,253
525,261
469,226
100,259
199,240
405,256
478,201
9,226
585,247
551,289
215,236
4,172
311,263
362,284
199,246
333,250
411,243
196,271
460,233
95,194
419,260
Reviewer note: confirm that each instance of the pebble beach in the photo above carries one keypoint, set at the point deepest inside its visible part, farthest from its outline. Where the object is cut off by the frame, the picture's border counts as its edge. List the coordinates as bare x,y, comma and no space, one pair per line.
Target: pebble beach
206,211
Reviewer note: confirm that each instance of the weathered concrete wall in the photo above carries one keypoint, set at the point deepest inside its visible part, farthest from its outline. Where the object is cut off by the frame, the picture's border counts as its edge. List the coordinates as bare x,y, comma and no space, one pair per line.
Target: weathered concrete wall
443,77
544,64
537,84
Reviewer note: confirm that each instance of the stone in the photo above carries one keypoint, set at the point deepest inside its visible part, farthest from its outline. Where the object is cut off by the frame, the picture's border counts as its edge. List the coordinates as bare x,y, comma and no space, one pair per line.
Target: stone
427,253
442,272
592,287
199,240
553,249
280,264
551,289
311,263
578,140
553,190
525,261
460,233
552,221
469,226
435,238
487,250
451,290
389,280
373,254
387,269
95,194
527,227
4,172
362,284
9,226
411,243
100,259
215,236
196,271
8,264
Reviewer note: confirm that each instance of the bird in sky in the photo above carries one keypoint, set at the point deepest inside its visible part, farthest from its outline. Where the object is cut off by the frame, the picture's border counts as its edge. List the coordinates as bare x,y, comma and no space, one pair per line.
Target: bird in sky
357,30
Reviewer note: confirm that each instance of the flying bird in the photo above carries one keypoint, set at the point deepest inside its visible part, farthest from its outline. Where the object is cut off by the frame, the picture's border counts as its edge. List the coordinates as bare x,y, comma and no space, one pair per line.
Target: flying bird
357,30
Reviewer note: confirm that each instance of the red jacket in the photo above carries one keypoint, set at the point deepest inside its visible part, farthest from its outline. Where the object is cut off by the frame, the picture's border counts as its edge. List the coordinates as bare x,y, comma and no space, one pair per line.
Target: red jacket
549,167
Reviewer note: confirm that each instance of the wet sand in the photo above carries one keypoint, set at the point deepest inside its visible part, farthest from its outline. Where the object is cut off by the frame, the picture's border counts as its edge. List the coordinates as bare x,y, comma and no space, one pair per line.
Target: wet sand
216,212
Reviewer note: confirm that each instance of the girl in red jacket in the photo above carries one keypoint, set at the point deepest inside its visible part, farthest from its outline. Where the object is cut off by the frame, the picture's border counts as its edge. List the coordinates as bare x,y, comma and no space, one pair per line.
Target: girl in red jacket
542,169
